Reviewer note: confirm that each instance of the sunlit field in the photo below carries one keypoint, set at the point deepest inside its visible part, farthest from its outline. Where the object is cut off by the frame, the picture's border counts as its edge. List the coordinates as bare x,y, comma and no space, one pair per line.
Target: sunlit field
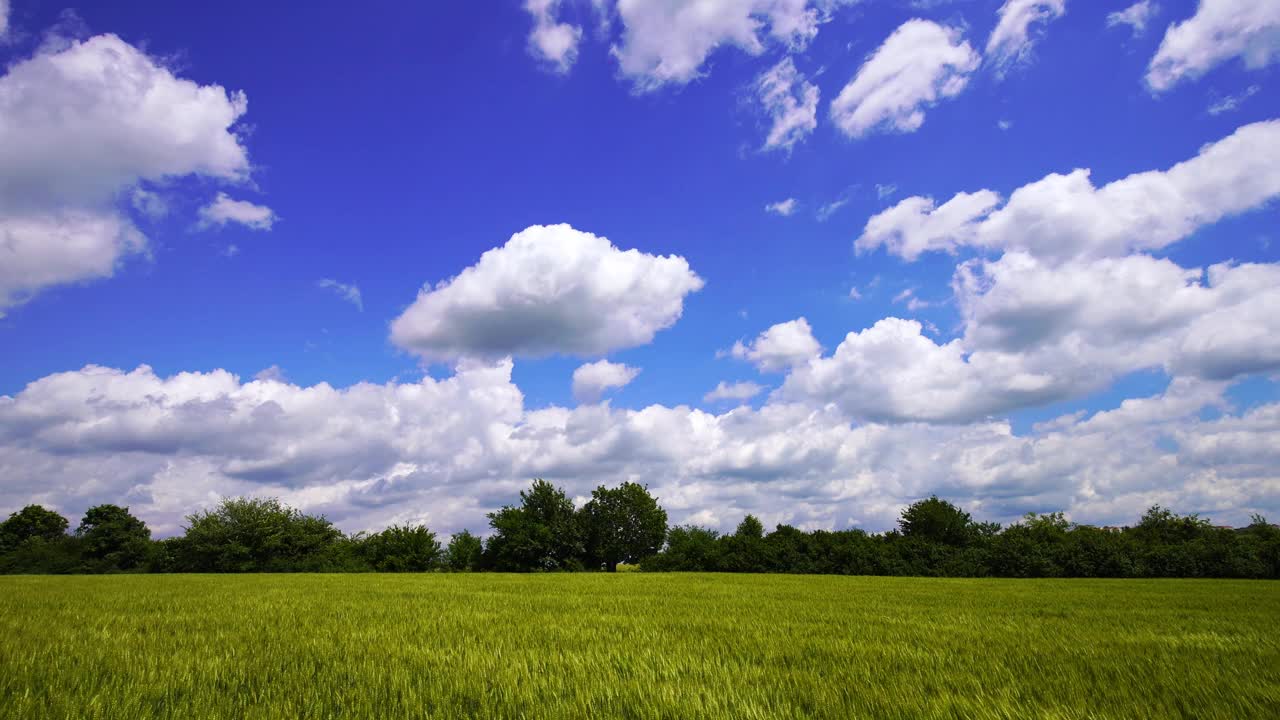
635,645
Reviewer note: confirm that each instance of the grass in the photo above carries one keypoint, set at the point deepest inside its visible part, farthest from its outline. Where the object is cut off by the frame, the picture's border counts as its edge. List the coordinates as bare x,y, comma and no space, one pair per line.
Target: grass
635,645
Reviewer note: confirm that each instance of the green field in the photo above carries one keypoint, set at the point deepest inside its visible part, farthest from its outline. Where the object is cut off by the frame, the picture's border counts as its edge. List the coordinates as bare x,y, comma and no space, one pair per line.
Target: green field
635,645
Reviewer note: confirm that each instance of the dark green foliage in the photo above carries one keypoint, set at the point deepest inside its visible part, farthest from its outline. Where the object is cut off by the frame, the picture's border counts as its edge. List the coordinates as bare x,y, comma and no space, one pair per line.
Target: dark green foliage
543,533
626,525
745,550
1265,538
622,524
113,540
407,548
689,548
42,556
31,523
939,539
34,540
256,535
938,521
465,552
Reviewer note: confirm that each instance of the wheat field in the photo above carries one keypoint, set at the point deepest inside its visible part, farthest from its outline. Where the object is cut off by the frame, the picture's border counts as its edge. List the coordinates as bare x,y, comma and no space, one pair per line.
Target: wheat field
635,645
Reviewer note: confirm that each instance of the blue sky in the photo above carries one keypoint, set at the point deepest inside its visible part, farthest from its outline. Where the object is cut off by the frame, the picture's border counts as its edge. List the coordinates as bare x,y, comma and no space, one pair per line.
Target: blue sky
386,148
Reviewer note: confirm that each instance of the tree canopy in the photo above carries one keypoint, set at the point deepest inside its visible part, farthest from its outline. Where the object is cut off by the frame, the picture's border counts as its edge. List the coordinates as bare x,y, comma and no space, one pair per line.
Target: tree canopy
255,535
114,539
542,533
625,524
31,523
622,525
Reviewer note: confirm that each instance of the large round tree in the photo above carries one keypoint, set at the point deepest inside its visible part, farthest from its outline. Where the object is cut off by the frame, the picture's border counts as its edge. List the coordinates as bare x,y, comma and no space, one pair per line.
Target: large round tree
622,524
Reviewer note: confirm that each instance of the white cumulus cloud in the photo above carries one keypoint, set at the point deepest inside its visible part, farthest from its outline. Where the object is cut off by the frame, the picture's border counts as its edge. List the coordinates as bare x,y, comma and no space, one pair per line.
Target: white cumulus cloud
1219,31
781,346
1071,303
919,64
447,451
918,225
552,41
43,250
84,122
590,381
733,391
669,41
790,101
225,210
549,290
1065,216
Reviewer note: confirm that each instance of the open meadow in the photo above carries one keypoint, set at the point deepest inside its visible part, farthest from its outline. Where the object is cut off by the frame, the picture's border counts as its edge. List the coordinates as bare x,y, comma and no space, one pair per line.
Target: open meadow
635,645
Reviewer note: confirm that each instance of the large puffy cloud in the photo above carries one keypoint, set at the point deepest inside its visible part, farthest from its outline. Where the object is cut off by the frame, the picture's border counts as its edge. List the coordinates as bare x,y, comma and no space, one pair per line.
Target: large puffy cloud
1219,31
1117,314
549,289
1011,39
1071,304
919,64
590,381
446,451
40,250
84,122
918,225
781,346
892,372
668,41
1037,332
1066,216
790,101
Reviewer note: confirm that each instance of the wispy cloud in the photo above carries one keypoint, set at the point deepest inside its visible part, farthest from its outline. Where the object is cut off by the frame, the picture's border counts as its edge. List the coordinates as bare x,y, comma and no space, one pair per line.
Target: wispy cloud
733,391
831,208
783,207
1232,102
1136,16
350,293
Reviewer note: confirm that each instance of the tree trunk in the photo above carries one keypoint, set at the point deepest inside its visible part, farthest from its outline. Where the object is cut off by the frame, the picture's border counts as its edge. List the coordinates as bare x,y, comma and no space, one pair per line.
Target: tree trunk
613,566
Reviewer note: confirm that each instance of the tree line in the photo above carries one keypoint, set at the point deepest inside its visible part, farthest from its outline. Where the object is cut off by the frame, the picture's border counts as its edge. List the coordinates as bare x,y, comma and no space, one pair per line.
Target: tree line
626,525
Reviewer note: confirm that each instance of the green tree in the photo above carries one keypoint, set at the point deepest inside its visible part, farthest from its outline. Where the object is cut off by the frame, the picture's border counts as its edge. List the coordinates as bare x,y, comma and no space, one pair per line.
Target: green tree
936,520
1162,526
745,550
1031,548
402,548
256,535
29,523
541,534
622,525
689,548
113,539
464,552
